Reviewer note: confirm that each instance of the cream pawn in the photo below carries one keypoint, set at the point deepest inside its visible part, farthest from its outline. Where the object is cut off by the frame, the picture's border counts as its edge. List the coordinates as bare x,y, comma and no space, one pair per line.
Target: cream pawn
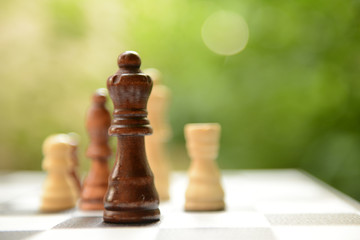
59,191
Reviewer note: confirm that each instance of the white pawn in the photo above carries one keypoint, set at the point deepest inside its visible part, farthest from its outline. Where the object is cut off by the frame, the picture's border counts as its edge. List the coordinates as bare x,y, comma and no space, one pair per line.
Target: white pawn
155,144
59,191
204,191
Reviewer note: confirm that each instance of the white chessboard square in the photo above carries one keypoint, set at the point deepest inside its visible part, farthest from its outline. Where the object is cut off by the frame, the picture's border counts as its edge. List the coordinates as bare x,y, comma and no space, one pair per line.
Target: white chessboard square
98,233
17,184
81,213
328,205
214,220
216,234
31,222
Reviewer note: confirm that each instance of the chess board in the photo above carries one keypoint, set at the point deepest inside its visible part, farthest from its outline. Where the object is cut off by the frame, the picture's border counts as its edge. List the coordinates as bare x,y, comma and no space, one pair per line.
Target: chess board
261,204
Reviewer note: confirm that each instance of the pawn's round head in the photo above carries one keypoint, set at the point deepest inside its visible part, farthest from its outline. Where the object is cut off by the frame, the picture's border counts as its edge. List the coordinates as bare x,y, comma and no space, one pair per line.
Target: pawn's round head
129,59
100,96
57,153
56,144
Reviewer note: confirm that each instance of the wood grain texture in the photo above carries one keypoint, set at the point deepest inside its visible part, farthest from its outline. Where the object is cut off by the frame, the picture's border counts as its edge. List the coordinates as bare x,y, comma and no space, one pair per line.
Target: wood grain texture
131,196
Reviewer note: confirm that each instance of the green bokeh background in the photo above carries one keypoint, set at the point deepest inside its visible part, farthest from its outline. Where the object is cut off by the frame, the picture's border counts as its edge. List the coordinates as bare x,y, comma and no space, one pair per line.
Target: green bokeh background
291,99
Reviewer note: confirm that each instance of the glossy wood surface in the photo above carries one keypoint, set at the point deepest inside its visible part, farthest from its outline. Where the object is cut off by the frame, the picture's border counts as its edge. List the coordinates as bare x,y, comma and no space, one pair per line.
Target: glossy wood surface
131,196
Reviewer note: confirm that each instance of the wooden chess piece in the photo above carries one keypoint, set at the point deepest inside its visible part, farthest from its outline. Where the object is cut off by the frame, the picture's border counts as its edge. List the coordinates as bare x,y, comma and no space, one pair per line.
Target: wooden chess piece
131,196
97,123
204,191
158,105
74,145
58,190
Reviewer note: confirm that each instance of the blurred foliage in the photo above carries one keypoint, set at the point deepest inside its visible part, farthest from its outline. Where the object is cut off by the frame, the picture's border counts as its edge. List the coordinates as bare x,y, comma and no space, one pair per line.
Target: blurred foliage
291,98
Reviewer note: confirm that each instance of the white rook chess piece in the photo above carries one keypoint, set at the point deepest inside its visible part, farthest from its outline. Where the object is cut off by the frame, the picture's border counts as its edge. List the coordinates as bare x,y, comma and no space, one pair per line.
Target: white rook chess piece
59,191
155,144
204,191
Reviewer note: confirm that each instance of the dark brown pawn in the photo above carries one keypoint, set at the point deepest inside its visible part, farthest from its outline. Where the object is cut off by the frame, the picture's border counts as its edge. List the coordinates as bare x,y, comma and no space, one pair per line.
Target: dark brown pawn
131,196
97,124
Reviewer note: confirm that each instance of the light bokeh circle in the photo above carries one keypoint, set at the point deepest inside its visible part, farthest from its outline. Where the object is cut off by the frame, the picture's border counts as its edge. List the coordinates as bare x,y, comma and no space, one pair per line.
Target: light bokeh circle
225,33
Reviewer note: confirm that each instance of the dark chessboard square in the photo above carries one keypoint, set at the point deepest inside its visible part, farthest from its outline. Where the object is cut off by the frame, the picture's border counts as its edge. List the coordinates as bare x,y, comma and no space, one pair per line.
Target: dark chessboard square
314,219
95,222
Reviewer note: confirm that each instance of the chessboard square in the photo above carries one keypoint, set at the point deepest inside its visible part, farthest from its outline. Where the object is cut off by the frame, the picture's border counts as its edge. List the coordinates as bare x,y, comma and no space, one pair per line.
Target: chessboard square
316,232
330,205
262,189
98,222
27,204
313,219
17,235
80,222
80,213
214,220
20,183
98,233
215,233
30,223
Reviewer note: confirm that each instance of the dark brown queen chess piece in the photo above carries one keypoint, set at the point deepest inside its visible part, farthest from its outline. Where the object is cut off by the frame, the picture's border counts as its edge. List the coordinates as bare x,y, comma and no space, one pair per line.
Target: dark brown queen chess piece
131,196
97,123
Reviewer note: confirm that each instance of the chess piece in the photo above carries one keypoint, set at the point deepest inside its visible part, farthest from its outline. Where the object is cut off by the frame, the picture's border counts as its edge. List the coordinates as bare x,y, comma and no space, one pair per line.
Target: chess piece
97,123
58,190
74,145
131,196
155,144
204,191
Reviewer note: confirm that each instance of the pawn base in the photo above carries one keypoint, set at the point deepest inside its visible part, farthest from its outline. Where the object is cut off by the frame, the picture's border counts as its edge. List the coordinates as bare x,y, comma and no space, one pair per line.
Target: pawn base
204,206
132,216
